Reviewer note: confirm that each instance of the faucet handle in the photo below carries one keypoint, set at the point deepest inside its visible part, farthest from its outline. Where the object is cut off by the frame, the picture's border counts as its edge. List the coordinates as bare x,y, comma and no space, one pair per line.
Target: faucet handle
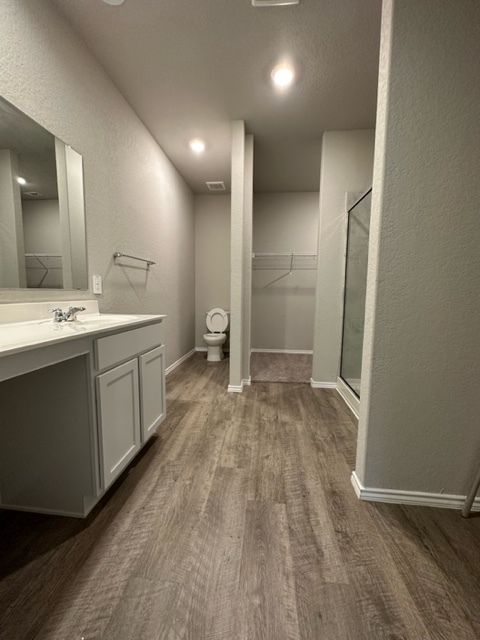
58,314
71,314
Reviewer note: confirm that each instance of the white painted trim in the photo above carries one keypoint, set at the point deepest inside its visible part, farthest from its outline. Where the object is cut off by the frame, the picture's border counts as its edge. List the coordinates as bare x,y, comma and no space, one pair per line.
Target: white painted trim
354,383
357,485
394,496
233,388
363,194
179,361
201,348
350,398
322,385
247,381
302,351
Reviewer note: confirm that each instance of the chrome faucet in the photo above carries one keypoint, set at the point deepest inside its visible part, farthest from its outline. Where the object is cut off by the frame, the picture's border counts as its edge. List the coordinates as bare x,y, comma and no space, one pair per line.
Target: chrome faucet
59,315
66,316
71,314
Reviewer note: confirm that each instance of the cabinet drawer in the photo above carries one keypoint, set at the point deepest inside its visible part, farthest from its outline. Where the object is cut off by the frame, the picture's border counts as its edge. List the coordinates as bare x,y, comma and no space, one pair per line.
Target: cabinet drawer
127,344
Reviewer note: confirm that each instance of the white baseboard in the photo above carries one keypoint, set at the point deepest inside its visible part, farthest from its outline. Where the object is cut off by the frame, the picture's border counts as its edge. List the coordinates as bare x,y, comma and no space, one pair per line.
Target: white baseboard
179,361
233,388
201,348
355,384
322,385
357,485
304,351
350,398
394,496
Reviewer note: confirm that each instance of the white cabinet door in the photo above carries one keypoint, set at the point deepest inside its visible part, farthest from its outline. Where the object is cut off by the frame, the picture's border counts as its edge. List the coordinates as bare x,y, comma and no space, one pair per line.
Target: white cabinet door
118,418
152,390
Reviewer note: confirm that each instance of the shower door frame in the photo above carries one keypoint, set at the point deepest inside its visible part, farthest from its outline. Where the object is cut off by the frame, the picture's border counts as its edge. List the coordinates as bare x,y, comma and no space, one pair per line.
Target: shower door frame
357,202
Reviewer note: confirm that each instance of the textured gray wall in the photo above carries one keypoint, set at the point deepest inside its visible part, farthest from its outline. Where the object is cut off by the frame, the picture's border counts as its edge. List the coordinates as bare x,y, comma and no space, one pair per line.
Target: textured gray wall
419,428
212,258
136,201
281,221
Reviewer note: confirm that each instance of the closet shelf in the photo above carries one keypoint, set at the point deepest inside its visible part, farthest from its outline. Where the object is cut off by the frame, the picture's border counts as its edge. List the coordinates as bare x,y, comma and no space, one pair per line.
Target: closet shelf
284,261
45,262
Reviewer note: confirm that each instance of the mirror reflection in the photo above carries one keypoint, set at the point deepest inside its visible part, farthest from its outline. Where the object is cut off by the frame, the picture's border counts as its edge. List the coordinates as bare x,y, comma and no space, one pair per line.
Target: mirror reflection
42,217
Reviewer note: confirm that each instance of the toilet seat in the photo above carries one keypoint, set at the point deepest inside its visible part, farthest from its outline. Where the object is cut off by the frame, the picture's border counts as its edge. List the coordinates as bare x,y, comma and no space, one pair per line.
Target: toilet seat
217,320
214,338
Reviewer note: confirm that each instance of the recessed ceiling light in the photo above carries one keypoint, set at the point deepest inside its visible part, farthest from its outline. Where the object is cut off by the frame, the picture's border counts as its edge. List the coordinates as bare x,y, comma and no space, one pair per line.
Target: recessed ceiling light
197,145
114,2
21,181
283,75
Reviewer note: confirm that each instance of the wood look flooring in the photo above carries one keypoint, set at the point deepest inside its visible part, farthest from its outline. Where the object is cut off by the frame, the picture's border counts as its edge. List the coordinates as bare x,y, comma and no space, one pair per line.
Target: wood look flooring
280,367
239,522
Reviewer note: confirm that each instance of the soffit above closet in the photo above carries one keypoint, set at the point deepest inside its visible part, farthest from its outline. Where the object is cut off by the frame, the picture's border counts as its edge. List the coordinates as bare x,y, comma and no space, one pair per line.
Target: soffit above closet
189,67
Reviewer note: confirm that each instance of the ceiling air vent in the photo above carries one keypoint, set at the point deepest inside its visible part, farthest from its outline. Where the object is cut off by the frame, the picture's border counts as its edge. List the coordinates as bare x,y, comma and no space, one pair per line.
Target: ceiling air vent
273,3
216,186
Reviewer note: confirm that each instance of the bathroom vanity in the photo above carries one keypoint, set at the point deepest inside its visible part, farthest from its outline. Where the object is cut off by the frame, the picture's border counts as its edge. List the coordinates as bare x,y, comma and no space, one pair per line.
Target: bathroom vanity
78,400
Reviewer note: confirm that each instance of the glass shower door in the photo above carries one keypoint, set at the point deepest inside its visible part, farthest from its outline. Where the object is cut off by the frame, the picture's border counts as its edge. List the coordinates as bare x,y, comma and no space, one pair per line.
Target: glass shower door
355,291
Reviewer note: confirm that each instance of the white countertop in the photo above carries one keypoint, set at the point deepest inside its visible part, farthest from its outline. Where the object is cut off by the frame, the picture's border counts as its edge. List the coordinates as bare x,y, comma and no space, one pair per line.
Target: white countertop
31,334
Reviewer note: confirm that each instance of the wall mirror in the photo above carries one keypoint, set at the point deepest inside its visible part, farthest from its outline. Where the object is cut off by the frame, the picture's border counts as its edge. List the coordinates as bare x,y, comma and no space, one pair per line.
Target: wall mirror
42,213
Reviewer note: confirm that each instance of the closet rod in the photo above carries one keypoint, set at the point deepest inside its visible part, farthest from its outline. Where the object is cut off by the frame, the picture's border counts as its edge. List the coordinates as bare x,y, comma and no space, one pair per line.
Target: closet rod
293,261
43,255
283,255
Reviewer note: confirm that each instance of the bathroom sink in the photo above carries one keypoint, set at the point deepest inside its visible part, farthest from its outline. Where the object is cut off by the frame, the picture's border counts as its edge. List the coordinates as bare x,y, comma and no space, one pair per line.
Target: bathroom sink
36,332
26,326
30,332
102,319
99,321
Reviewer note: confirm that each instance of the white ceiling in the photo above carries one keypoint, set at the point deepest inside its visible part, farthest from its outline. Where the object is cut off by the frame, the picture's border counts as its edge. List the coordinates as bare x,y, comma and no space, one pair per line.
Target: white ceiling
189,67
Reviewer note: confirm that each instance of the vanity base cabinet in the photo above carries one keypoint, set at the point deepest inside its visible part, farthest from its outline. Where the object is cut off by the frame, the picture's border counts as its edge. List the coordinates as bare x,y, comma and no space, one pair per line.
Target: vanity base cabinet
152,390
46,443
118,419
130,395
74,414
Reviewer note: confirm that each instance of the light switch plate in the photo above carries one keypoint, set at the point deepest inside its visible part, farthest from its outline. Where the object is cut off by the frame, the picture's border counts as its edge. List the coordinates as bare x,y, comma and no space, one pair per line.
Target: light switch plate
97,285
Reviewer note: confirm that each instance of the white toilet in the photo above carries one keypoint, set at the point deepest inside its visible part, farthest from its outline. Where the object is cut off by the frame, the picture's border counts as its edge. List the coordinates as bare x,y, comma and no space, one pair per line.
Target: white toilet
217,323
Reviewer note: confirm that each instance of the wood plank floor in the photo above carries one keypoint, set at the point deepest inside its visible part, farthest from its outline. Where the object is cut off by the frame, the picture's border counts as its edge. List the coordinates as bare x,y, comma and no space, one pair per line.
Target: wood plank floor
239,522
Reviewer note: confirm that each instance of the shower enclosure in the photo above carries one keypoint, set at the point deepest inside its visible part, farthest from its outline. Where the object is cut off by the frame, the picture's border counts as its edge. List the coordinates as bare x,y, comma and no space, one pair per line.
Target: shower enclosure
355,291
